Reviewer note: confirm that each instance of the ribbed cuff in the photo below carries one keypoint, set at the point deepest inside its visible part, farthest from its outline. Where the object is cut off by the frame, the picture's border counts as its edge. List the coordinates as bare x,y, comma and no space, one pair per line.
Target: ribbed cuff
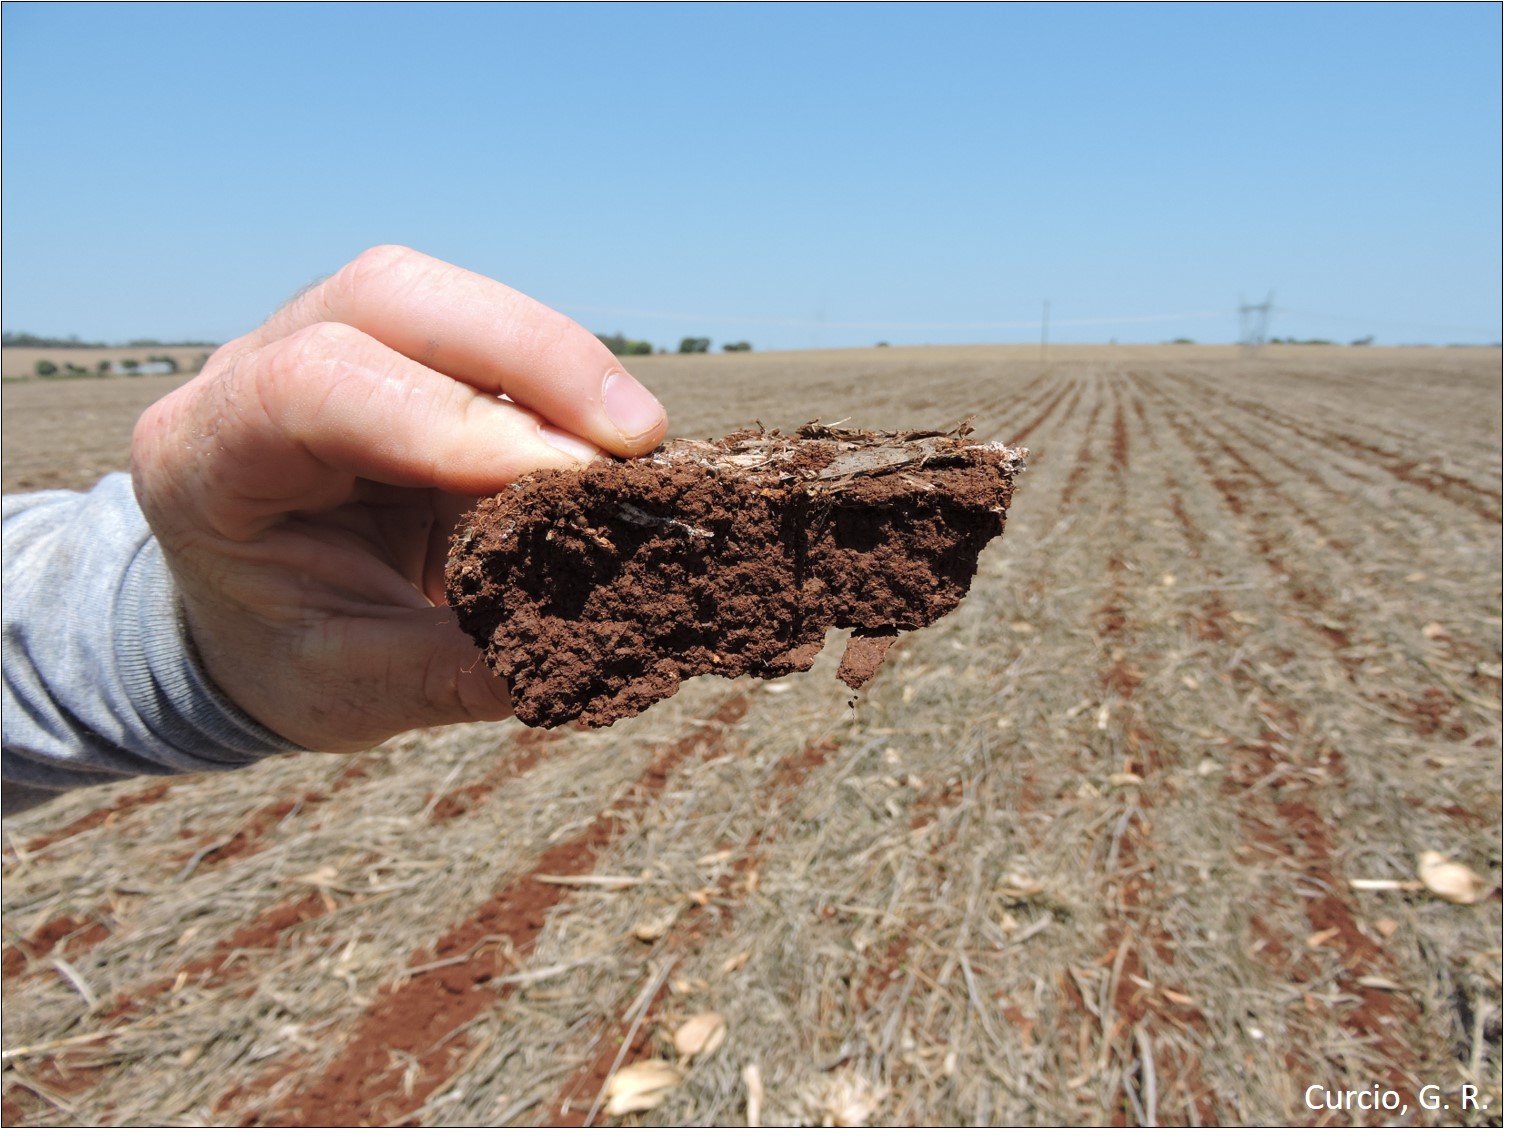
164,678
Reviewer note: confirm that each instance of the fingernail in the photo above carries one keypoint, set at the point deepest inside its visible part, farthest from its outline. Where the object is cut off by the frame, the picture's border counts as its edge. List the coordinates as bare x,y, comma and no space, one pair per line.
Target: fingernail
632,409
570,445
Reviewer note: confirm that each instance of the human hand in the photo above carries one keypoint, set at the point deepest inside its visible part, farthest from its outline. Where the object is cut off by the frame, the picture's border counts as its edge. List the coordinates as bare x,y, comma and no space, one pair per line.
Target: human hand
304,486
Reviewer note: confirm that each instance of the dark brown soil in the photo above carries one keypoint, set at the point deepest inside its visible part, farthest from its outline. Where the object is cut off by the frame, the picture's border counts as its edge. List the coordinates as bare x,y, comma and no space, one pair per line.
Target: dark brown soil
596,593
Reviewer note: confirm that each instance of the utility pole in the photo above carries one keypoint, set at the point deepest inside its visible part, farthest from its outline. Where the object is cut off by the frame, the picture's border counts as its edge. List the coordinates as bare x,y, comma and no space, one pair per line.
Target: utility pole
1254,323
1043,341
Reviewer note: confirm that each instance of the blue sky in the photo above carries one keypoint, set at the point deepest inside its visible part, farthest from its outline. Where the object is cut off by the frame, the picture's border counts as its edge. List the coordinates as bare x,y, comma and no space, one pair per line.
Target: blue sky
795,176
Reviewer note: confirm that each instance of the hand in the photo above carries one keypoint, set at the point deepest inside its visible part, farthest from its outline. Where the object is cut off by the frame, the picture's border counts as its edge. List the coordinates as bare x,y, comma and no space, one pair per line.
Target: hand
305,484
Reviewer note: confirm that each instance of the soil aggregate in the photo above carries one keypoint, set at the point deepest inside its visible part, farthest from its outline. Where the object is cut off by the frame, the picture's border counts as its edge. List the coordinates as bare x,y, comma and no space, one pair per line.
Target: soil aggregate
596,593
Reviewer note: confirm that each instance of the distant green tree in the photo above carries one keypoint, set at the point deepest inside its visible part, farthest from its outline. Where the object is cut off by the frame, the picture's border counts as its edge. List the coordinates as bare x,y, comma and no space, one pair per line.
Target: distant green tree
130,364
12,339
103,367
623,347
737,347
46,368
76,370
695,344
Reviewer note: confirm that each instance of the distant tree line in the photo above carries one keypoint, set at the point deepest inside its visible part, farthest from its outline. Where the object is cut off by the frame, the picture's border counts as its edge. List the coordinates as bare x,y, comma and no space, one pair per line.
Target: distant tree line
704,344
1316,341
129,365
18,340
625,347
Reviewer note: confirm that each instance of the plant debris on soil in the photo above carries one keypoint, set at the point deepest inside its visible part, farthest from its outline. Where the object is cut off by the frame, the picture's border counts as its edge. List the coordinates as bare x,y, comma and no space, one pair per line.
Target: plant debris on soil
1171,821
596,593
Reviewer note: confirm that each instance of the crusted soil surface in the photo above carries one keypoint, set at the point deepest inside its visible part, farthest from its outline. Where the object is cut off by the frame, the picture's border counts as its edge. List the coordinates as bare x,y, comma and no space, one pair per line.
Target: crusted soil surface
596,593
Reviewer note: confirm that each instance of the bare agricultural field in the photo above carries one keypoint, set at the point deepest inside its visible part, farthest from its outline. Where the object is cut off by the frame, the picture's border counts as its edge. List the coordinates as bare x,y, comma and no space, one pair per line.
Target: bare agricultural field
1085,852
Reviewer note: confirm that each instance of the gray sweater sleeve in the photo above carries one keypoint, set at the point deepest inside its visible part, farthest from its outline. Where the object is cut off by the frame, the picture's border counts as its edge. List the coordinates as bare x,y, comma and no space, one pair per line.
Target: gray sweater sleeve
101,681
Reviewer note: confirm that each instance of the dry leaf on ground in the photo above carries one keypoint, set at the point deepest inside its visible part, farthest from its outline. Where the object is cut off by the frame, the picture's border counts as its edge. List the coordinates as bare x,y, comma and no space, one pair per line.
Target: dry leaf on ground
641,1086
700,1035
849,1100
1449,879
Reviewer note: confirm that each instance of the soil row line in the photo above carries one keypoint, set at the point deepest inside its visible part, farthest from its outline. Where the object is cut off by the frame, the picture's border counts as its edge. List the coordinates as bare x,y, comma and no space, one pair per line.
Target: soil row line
1278,813
105,815
1277,810
422,1016
226,963
1139,950
1083,459
76,1072
251,836
1484,502
1021,435
1354,390
1429,710
709,912
980,413
67,933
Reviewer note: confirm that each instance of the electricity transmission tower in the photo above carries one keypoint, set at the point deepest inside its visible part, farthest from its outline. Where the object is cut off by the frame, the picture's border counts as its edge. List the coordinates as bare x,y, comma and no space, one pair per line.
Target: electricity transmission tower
1254,322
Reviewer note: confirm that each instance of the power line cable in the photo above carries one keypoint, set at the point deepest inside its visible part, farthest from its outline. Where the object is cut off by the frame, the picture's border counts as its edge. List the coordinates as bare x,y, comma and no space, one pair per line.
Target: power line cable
614,311
1384,322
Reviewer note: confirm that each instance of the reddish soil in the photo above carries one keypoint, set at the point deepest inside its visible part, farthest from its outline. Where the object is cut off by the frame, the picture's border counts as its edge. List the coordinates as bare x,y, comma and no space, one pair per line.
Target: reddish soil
421,1016
1045,414
572,1105
595,593
102,817
67,934
266,931
529,747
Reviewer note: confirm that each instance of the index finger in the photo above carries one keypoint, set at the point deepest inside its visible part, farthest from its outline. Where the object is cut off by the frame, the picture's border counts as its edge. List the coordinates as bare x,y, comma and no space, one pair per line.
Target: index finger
479,331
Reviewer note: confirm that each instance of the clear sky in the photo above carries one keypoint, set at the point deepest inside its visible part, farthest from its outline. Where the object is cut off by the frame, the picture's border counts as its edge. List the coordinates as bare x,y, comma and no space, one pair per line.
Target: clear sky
794,176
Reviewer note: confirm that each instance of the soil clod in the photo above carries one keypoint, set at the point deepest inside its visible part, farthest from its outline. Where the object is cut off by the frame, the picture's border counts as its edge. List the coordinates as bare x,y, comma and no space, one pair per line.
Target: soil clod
596,593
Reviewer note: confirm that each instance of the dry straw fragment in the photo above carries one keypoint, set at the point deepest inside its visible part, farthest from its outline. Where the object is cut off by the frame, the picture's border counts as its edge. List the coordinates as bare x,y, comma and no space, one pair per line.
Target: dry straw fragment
700,1035
1372,884
1448,879
753,1081
641,1086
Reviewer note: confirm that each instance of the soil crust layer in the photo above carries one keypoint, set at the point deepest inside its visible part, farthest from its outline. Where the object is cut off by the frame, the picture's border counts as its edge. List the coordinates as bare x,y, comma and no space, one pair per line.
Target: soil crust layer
596,593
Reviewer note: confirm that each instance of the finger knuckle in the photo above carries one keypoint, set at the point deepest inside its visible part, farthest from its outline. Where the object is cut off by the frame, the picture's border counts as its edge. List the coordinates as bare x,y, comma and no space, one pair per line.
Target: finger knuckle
380,265
313,349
